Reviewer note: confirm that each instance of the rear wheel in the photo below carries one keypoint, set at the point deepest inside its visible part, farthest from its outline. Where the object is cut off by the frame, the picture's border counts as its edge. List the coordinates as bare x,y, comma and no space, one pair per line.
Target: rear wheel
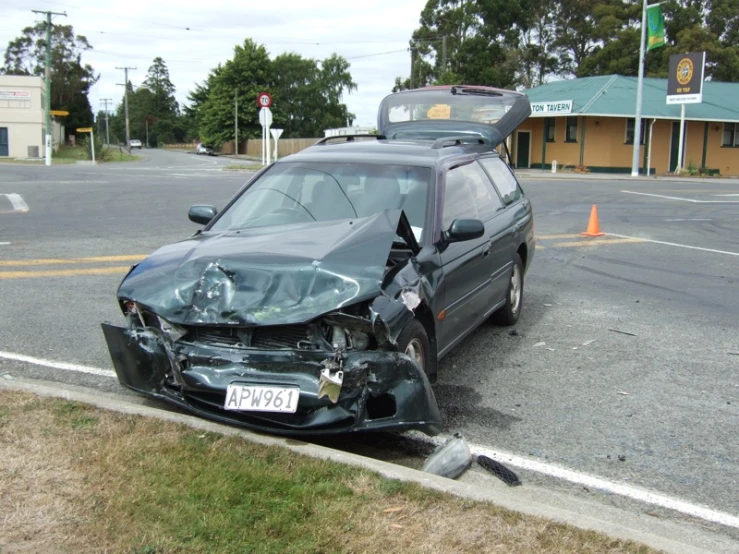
414,343
511,310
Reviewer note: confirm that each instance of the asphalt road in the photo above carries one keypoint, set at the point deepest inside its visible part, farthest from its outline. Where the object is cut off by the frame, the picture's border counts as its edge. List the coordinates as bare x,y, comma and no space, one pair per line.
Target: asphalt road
656,407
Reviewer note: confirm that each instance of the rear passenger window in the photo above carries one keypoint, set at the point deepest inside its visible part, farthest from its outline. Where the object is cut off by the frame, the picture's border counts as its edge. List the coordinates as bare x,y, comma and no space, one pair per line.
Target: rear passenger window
469,194
504,180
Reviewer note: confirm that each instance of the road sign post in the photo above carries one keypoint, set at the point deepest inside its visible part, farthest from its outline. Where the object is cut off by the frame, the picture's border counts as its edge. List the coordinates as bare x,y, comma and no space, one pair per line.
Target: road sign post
276,133
264,101
92,139
685,86
265,120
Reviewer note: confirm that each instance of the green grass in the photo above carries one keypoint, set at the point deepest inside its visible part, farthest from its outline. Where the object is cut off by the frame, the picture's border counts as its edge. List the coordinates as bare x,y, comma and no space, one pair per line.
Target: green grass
243,167
75,153
108,482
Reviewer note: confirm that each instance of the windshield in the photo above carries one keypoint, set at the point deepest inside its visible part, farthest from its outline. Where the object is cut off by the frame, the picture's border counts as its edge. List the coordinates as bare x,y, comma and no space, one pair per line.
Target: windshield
296,192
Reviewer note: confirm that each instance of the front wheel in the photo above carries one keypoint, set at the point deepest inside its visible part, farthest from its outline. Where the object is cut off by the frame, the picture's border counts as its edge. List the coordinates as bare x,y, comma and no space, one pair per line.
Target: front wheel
414,343
511,311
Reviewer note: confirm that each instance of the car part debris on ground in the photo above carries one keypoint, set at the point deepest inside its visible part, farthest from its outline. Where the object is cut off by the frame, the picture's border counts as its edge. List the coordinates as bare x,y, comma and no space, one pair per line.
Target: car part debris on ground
499,470
450,459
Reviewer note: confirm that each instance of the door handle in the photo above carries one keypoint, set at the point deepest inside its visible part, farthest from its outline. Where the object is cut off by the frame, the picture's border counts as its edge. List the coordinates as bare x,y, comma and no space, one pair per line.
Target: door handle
486,250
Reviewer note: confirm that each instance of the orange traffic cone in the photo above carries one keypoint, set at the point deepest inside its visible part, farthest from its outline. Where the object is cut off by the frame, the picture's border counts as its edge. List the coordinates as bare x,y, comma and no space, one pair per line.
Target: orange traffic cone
593,226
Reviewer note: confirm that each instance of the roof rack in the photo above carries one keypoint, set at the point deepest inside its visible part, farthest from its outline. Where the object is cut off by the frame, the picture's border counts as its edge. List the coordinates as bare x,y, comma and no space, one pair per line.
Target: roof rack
443,142
348,138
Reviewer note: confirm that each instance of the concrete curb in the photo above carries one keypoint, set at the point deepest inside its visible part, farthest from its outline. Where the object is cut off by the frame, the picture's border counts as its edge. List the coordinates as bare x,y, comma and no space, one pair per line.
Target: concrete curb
654,533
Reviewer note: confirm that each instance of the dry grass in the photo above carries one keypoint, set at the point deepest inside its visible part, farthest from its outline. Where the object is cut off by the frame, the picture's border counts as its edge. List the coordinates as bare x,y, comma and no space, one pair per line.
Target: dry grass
77,479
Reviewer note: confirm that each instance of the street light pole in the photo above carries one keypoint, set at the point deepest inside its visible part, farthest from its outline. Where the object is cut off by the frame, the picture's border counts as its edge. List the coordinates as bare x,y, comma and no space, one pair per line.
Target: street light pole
47,74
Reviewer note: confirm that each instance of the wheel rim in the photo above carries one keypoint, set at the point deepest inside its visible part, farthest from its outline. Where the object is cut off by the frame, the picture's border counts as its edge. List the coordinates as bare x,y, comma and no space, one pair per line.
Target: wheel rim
414,351
516,289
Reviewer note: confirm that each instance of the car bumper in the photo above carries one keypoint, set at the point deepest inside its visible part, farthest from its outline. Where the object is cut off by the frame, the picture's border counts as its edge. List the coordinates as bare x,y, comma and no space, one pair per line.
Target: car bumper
380,390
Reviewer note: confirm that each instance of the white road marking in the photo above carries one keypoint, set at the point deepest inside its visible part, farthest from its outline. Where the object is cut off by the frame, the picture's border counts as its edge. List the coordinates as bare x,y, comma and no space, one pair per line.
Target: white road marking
4,243
58,365
725,195
676,244
592,481
692,200
689,219
19,205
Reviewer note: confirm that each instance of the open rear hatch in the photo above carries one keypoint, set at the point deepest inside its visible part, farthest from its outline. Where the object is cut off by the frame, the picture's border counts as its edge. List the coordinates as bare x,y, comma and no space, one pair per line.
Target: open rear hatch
434,112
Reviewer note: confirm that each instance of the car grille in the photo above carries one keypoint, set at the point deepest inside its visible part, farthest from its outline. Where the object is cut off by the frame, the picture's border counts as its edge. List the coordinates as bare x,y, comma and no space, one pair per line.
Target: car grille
280,337
265,338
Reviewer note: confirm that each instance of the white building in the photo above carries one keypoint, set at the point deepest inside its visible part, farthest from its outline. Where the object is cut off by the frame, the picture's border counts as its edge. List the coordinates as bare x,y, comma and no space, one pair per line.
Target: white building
22,104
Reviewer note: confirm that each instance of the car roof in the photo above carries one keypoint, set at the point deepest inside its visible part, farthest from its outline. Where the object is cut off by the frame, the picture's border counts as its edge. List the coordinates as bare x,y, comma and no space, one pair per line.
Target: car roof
380,150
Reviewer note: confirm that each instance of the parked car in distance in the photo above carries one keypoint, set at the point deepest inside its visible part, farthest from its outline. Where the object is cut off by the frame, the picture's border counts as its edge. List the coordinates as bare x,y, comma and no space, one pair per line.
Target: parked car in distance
135,143
320,299
204,150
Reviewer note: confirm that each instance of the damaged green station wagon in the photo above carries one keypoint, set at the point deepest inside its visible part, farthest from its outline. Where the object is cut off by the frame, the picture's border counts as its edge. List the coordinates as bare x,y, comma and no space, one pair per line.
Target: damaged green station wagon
322,296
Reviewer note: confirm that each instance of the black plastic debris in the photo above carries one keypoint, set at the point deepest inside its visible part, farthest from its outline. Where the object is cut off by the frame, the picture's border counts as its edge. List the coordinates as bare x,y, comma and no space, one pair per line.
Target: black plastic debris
449,460
499,470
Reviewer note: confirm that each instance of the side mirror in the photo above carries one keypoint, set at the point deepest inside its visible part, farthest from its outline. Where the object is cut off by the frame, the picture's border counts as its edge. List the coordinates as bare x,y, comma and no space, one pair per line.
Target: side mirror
201,214
465,229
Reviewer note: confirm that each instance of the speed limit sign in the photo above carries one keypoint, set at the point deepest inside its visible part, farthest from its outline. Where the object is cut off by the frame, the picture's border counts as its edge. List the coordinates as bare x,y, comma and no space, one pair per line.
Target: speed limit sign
264,100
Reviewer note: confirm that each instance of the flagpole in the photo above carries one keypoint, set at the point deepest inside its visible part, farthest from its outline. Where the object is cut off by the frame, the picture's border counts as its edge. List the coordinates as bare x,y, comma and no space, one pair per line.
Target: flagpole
639,87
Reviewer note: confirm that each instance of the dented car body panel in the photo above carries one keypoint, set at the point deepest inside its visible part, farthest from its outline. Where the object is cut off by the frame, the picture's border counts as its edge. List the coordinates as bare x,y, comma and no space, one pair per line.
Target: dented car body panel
201,303
265,276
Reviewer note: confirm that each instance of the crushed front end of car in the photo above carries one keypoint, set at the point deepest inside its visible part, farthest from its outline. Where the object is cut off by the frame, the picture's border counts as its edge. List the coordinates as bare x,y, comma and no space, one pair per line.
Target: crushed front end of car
298,338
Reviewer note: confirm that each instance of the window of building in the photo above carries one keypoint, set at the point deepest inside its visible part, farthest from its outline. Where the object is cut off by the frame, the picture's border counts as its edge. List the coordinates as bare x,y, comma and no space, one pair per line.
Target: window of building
731,134
550,128
4,149
571,135
630,125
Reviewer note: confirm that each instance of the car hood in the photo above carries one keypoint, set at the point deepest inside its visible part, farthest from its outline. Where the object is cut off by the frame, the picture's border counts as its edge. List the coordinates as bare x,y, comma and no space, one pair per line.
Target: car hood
267,276
443,111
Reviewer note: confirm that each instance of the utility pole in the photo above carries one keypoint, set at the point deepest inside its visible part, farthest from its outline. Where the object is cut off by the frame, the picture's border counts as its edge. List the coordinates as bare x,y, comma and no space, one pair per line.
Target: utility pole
413,63
105,102
443,55
236,124
125,102
47,74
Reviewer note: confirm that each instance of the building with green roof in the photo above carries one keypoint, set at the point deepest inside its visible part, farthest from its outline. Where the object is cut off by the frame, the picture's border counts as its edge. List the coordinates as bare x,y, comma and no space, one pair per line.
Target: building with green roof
589,123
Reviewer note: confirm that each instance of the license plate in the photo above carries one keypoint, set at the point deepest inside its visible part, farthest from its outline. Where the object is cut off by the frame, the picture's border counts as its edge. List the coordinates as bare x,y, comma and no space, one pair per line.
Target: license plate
253,398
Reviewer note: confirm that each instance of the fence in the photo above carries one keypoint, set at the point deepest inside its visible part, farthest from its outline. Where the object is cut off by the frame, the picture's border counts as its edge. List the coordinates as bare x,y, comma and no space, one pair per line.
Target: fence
253,147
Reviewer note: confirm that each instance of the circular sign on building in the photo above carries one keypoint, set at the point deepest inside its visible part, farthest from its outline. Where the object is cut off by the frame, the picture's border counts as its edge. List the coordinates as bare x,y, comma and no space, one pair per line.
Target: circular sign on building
264,100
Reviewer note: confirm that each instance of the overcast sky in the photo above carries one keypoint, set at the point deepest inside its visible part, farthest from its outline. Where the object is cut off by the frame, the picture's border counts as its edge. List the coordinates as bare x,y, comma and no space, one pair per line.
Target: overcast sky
193,36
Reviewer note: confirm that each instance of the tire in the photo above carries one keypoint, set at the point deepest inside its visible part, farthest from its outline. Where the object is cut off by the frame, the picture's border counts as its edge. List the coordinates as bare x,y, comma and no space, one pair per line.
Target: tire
511,311
414,342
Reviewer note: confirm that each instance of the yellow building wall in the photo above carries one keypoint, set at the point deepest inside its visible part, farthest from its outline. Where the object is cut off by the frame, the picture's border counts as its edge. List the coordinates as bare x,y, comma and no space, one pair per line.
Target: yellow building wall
605,146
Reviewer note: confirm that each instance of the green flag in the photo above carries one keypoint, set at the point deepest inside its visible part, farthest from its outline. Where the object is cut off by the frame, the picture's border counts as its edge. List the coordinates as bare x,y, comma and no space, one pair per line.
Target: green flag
655,27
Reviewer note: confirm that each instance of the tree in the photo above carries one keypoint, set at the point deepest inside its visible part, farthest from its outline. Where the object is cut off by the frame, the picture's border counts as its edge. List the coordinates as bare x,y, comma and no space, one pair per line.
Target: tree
307,95
157,81
467,41
70,78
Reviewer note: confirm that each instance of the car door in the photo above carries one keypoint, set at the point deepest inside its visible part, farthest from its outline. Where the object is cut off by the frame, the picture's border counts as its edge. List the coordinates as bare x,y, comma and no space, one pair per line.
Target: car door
516,219
466,266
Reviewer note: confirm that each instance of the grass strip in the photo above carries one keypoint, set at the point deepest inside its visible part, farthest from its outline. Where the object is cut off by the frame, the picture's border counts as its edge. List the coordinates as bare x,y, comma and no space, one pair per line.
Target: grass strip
74,478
